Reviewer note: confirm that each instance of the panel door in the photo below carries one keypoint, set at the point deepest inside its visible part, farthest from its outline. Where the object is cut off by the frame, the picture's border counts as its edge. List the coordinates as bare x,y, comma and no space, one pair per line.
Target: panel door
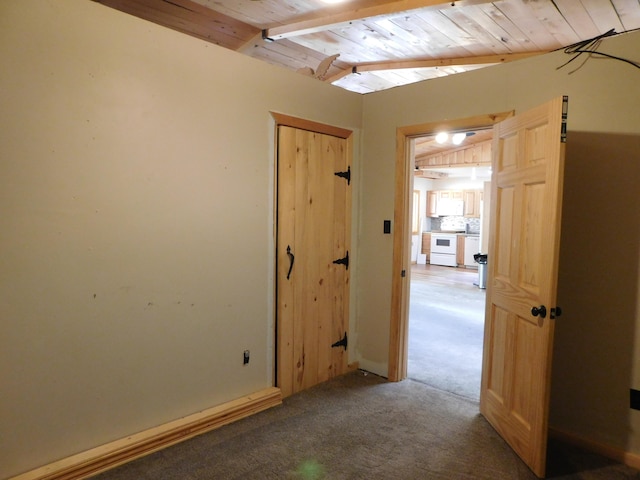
526,194
313,231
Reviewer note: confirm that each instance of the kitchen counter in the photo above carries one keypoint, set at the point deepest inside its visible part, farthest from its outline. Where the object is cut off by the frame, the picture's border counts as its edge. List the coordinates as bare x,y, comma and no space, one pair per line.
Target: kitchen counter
454,233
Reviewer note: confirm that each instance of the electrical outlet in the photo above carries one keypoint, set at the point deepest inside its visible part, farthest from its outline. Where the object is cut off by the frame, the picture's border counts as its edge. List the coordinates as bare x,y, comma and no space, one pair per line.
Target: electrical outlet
245,359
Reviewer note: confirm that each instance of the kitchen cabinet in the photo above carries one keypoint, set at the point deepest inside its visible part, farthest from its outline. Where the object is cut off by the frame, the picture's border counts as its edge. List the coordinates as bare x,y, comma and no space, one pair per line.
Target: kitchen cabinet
426,244
460,250
432,203
472,201
439,197
450,194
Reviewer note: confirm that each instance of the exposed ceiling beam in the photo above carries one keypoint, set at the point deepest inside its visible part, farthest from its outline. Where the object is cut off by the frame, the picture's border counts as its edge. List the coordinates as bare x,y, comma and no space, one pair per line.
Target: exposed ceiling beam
329,18
430,174
250,44
433,63
187,16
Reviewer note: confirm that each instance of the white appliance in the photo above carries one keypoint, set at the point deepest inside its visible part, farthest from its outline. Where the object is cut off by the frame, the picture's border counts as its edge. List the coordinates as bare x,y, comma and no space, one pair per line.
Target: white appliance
443,249
471,247
448,207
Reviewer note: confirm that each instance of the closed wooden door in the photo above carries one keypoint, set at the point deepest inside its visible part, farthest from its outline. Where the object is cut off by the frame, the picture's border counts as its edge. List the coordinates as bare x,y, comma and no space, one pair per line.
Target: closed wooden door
526,197
313,231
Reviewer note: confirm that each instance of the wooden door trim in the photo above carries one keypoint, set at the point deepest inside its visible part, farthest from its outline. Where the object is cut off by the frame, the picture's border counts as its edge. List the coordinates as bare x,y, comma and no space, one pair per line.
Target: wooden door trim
310,125
399,321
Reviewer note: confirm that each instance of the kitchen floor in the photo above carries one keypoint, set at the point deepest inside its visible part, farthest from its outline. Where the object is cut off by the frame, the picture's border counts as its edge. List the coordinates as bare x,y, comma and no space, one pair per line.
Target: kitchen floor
446,329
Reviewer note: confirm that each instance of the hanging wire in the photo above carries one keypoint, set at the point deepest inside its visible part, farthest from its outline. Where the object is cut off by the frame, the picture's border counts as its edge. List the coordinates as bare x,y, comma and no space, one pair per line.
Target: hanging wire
590,47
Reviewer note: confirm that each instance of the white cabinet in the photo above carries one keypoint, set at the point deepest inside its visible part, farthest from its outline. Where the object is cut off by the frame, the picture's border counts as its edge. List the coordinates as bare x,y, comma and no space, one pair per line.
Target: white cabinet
471,247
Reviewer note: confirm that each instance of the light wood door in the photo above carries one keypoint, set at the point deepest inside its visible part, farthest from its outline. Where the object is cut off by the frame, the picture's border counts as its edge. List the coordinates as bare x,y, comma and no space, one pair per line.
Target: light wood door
313,226
526,197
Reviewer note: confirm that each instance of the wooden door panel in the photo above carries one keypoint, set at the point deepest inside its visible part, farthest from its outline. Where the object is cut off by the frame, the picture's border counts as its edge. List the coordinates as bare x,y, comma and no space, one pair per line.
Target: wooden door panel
523,358
503,241
523,260
509,152
339,274
286,306
313,218
530,267
324,182
498,337
535,151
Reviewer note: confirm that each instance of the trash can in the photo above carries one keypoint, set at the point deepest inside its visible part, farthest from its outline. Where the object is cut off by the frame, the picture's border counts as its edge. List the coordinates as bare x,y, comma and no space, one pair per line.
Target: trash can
481,260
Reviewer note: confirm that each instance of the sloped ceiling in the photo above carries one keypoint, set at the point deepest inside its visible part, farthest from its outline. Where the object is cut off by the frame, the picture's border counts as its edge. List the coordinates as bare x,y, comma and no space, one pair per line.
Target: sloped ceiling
371,45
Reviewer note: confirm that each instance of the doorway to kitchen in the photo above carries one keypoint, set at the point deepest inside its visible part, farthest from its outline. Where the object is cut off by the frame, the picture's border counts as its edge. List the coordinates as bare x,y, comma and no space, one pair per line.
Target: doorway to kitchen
446,303
402,228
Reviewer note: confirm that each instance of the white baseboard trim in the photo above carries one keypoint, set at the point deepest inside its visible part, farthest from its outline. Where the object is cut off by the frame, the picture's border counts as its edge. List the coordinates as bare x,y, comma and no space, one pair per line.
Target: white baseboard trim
630,459
105,457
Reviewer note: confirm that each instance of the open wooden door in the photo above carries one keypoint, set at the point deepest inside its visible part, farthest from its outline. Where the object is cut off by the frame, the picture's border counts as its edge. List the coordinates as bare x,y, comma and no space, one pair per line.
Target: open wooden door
526,196
313,239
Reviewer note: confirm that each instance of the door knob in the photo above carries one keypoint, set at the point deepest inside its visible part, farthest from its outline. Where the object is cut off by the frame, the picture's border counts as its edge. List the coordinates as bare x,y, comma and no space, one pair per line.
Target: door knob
539,311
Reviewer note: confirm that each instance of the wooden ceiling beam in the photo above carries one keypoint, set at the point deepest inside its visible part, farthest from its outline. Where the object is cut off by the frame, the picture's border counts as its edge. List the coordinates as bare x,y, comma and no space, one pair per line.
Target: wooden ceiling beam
187,16
433,63
329,18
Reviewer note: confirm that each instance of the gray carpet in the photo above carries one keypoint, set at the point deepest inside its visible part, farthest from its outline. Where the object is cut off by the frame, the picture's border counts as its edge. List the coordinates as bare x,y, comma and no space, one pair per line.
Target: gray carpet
446,323
360,427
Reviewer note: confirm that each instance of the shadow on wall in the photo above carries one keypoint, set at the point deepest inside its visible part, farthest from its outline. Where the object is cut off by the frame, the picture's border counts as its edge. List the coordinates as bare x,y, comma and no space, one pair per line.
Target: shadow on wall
594,347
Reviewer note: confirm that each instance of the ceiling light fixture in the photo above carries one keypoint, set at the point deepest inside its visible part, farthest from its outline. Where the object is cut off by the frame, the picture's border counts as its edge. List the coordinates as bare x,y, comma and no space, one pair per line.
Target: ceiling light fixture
442,137
458,138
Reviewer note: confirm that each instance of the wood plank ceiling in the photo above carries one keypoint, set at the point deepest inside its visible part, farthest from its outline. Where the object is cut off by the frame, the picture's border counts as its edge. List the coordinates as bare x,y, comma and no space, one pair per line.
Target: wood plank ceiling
386,43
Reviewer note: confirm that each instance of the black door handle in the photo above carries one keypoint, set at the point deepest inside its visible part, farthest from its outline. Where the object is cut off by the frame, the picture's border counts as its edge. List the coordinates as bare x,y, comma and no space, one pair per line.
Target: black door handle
291,260
541,311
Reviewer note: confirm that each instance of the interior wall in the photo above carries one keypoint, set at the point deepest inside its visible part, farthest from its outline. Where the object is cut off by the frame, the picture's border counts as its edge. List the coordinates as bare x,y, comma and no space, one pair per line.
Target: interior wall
596,354
603,98
136,226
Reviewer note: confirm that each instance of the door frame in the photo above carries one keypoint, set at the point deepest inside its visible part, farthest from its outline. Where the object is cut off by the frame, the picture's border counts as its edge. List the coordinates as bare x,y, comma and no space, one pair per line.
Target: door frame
281,119
404,170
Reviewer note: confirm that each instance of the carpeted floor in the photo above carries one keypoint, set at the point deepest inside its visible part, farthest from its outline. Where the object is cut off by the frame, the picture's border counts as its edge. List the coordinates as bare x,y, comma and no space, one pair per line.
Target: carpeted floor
361,427
446,328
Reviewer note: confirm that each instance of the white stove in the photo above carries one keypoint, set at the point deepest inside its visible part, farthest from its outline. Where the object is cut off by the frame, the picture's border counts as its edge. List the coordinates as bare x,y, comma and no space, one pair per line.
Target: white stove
443,249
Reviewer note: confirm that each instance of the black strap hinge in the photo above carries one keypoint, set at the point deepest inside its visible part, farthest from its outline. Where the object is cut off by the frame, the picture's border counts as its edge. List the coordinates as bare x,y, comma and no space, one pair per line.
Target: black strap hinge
346,175
343,261
341,343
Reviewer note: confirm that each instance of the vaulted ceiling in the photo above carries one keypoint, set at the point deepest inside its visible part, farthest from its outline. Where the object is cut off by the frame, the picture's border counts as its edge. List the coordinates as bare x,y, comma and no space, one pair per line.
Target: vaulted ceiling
370,45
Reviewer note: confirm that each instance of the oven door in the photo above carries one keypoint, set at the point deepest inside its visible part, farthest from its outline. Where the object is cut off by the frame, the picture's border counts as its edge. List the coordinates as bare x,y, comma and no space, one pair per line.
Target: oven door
443,243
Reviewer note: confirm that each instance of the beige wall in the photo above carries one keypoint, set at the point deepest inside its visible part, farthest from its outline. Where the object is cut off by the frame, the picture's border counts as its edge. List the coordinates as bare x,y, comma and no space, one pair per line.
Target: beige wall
596,348
136,193
596,352
136,223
